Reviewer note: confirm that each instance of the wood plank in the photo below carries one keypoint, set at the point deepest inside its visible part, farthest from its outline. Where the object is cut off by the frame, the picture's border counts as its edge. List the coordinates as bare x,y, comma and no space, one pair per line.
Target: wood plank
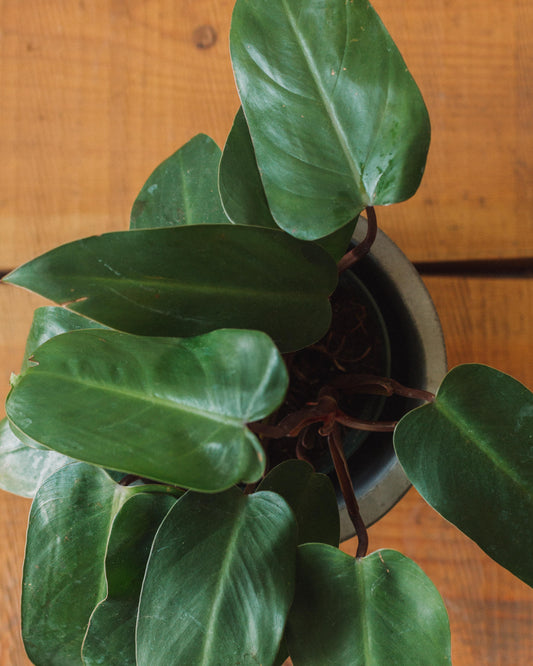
474,65
487,320
13,518
96,94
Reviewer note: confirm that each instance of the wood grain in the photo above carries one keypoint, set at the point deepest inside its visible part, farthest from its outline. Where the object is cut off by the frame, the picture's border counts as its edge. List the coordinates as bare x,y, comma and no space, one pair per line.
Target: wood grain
474,64
13,519
96,94
487,320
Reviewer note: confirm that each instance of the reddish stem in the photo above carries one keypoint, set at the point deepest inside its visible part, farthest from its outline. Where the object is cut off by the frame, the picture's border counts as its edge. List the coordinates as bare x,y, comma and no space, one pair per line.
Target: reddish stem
302,447
380,386
326,412
367,426
292,424
361,250
129,479
343,474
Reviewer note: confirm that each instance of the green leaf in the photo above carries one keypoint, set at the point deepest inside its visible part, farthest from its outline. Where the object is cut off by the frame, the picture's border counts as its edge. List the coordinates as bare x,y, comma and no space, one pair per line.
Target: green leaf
110,638
23,468
311,497
164,409
63,580
338,242
182,190
243,195
219,581
184,281
336,119
239,181
381,609
470,455
49,321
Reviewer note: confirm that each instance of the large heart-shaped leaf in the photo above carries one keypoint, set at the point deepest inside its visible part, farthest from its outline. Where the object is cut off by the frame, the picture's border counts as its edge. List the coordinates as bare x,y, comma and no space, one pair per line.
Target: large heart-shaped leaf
243,195
470,455
183,189
162,408
311,497
184,281
336,119
380,609
63,579
110,637
219,581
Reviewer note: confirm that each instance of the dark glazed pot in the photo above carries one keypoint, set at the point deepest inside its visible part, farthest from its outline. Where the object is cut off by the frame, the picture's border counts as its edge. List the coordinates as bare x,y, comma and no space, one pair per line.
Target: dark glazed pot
418,358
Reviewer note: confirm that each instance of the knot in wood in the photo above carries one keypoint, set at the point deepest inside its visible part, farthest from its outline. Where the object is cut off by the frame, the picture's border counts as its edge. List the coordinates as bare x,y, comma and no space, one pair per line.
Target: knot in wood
204,37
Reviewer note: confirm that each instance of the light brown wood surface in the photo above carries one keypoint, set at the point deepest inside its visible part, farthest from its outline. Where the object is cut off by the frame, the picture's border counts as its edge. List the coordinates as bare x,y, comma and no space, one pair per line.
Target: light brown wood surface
474,64
95,93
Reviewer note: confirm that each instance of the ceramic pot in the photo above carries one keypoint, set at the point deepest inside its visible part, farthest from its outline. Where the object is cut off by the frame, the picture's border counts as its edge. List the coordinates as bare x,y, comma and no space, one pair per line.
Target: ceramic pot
418,360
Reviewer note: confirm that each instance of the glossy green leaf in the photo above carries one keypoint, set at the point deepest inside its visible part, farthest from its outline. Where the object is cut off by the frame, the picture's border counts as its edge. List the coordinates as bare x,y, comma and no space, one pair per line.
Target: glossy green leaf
23,468
63,578
336,119
49,321
243,195
165,409
219,581
239,181
312,498
182,190
381,609
184,281
470,455
110,638
338,242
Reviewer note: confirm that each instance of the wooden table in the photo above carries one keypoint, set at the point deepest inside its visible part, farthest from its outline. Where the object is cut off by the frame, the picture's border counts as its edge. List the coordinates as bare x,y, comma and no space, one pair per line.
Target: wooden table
96,93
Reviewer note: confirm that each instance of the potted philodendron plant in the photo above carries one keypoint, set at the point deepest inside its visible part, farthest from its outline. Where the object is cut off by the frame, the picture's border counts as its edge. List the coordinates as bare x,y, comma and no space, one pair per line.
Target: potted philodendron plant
172,417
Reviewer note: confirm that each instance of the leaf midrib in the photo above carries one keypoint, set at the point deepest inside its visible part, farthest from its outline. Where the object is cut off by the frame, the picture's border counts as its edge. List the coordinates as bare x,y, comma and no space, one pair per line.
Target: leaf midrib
153,285
326,101
218,597
365,624
482,446
140,397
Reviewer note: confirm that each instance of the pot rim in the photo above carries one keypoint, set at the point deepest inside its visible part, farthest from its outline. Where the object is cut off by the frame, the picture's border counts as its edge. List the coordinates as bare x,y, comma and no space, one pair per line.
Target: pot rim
397,277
